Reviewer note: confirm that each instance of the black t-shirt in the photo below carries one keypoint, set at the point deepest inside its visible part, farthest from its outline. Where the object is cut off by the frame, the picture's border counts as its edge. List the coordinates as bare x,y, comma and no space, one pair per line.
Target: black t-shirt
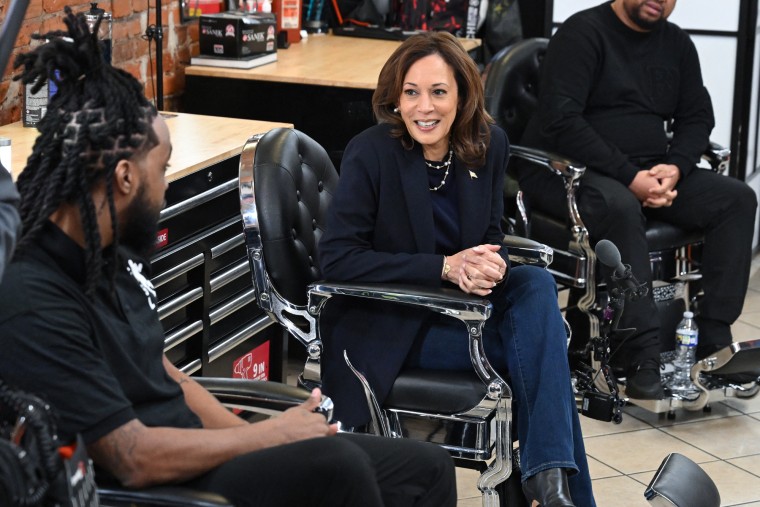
606,92
98,362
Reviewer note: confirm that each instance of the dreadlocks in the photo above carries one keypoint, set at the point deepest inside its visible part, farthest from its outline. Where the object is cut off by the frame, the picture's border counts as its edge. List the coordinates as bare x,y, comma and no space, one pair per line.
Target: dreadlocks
98,117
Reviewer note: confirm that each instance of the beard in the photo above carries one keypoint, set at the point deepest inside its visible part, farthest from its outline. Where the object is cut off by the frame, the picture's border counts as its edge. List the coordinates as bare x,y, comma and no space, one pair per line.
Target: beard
140,224
646,24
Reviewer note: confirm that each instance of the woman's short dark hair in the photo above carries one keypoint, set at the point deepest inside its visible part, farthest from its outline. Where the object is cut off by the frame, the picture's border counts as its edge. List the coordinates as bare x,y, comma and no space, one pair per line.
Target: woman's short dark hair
470,133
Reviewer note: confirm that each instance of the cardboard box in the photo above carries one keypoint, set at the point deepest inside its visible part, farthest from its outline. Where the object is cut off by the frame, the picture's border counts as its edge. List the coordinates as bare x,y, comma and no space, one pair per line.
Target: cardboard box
237,35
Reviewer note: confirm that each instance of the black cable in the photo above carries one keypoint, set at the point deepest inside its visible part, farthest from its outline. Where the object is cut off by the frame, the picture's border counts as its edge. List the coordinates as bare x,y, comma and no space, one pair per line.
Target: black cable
39,434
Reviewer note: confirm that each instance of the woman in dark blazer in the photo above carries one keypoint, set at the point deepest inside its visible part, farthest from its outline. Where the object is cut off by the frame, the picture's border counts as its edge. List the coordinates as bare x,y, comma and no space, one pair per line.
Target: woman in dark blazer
420,201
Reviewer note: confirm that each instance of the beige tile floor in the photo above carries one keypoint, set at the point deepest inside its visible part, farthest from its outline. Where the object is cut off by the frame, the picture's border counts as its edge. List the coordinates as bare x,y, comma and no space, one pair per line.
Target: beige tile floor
623,458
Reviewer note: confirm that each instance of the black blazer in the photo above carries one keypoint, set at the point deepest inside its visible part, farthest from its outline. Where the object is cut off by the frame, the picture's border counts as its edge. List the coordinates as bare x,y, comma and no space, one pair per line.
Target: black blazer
380,229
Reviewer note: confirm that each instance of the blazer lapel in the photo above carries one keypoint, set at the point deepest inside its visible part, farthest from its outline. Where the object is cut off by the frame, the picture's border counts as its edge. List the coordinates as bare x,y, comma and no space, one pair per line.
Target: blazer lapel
414,184
474,200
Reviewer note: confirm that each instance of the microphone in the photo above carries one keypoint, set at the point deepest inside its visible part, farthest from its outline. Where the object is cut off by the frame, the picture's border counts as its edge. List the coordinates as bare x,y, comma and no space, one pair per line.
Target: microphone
609,255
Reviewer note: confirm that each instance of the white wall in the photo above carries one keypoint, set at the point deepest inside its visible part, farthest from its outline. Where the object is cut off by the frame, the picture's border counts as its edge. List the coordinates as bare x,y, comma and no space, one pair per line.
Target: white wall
694,14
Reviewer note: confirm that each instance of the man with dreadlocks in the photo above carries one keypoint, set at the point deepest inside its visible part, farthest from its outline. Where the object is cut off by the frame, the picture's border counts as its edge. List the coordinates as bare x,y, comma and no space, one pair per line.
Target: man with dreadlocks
79,329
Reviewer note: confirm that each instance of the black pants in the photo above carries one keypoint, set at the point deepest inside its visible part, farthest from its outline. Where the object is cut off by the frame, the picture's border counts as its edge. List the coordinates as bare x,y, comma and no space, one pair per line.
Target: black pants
722,208
345,470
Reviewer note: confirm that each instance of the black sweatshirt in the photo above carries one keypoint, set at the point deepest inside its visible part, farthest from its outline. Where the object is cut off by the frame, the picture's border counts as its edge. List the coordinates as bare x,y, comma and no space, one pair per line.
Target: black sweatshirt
606,92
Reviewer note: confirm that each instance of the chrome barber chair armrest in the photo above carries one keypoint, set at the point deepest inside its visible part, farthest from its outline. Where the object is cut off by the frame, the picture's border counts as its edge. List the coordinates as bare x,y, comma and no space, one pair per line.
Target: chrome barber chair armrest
528,252
260,396
570,170
473,311
718,157
443,300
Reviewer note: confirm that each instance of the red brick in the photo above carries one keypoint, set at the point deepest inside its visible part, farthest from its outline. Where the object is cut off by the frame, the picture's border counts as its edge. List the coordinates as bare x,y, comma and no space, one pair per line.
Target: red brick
4,85
168,61
34,9
127,27
169,85
51,23
183,56
149,89
122,8
58,5
142,5
193,31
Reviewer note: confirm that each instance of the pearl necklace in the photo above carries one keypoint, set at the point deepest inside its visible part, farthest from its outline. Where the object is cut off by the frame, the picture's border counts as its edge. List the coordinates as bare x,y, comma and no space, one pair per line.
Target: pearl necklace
447,165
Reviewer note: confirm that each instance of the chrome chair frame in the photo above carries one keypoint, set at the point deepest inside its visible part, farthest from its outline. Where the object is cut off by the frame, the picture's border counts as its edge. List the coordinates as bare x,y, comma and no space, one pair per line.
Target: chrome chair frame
476,434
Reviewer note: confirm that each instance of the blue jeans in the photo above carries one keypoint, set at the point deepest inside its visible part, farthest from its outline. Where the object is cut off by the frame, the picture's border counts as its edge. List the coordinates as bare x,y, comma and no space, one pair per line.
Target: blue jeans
525,339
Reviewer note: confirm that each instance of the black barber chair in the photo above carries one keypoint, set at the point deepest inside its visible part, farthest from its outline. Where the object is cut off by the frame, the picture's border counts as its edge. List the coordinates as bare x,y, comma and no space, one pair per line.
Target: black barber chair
511,90
286,183
248,395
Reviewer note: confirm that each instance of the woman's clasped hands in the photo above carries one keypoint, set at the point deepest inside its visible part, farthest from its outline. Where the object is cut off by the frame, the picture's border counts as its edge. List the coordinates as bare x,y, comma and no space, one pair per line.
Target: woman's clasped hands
477,270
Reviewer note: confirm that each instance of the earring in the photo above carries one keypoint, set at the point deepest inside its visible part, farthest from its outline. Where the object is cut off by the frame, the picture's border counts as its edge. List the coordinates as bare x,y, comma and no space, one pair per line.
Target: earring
395,110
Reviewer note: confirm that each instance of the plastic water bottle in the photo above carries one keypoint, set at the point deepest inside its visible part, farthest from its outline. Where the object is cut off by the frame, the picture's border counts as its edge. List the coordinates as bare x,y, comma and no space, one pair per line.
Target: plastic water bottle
687,336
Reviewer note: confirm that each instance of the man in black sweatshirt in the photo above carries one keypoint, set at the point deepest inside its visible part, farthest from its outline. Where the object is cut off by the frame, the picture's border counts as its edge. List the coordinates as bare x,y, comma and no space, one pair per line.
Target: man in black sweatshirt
613,78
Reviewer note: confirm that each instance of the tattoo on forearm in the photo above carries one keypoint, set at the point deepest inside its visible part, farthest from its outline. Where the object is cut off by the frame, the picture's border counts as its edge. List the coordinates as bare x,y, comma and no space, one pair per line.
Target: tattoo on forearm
115,451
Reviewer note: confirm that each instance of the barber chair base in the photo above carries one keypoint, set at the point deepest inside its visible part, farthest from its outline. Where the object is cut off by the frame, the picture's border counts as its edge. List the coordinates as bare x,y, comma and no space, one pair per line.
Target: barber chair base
510,491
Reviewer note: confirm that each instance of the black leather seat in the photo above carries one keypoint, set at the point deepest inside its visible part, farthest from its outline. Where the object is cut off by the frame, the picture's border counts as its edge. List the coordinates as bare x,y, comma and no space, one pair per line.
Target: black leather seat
286,182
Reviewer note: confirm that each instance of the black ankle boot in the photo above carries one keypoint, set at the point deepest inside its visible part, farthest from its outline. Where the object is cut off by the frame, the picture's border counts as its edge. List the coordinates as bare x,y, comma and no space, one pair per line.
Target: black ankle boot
549,488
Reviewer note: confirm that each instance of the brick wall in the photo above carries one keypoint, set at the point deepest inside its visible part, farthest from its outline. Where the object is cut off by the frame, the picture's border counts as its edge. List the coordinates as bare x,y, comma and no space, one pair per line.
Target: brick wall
130,51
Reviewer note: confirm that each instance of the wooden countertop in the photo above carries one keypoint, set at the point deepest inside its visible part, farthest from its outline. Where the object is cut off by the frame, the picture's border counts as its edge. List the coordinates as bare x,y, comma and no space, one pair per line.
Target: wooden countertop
197,141
325,60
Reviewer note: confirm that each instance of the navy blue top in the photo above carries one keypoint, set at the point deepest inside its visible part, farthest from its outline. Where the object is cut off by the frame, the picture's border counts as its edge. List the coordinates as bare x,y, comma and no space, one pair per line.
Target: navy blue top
445,210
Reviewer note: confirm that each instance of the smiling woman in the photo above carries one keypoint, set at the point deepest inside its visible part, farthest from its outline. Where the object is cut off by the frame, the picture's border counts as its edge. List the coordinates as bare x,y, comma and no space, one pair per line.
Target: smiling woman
419,201
428,105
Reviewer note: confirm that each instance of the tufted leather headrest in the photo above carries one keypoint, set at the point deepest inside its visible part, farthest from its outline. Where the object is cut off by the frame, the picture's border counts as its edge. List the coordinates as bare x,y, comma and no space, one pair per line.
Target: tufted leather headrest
511,85
679,482
294,180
